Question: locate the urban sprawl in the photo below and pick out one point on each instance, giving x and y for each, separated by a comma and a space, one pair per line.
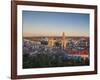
55, 51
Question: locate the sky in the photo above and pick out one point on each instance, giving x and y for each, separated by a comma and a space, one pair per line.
40, 23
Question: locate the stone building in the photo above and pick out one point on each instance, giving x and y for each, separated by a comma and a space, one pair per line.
50, 42
63, 41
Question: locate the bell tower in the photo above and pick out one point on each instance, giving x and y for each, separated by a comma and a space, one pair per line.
63, 42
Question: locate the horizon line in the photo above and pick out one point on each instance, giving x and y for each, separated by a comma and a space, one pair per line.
55, 36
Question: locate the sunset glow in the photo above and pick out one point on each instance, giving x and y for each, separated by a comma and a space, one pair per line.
37, 23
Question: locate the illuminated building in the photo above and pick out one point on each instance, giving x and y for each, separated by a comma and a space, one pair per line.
63, 41
50, 42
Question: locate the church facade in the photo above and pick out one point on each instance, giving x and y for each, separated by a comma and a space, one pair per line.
51, 41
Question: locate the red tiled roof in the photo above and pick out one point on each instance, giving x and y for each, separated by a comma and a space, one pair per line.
82, 52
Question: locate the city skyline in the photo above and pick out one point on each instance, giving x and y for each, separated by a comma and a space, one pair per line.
36, 23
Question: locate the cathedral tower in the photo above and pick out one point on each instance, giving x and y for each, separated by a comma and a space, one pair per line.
63, 42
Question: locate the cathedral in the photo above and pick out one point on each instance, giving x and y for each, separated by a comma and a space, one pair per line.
51, 41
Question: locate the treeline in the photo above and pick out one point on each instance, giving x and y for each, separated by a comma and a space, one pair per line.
45, 60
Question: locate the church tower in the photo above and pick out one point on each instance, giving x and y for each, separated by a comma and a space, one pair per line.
63, 41
50, 42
